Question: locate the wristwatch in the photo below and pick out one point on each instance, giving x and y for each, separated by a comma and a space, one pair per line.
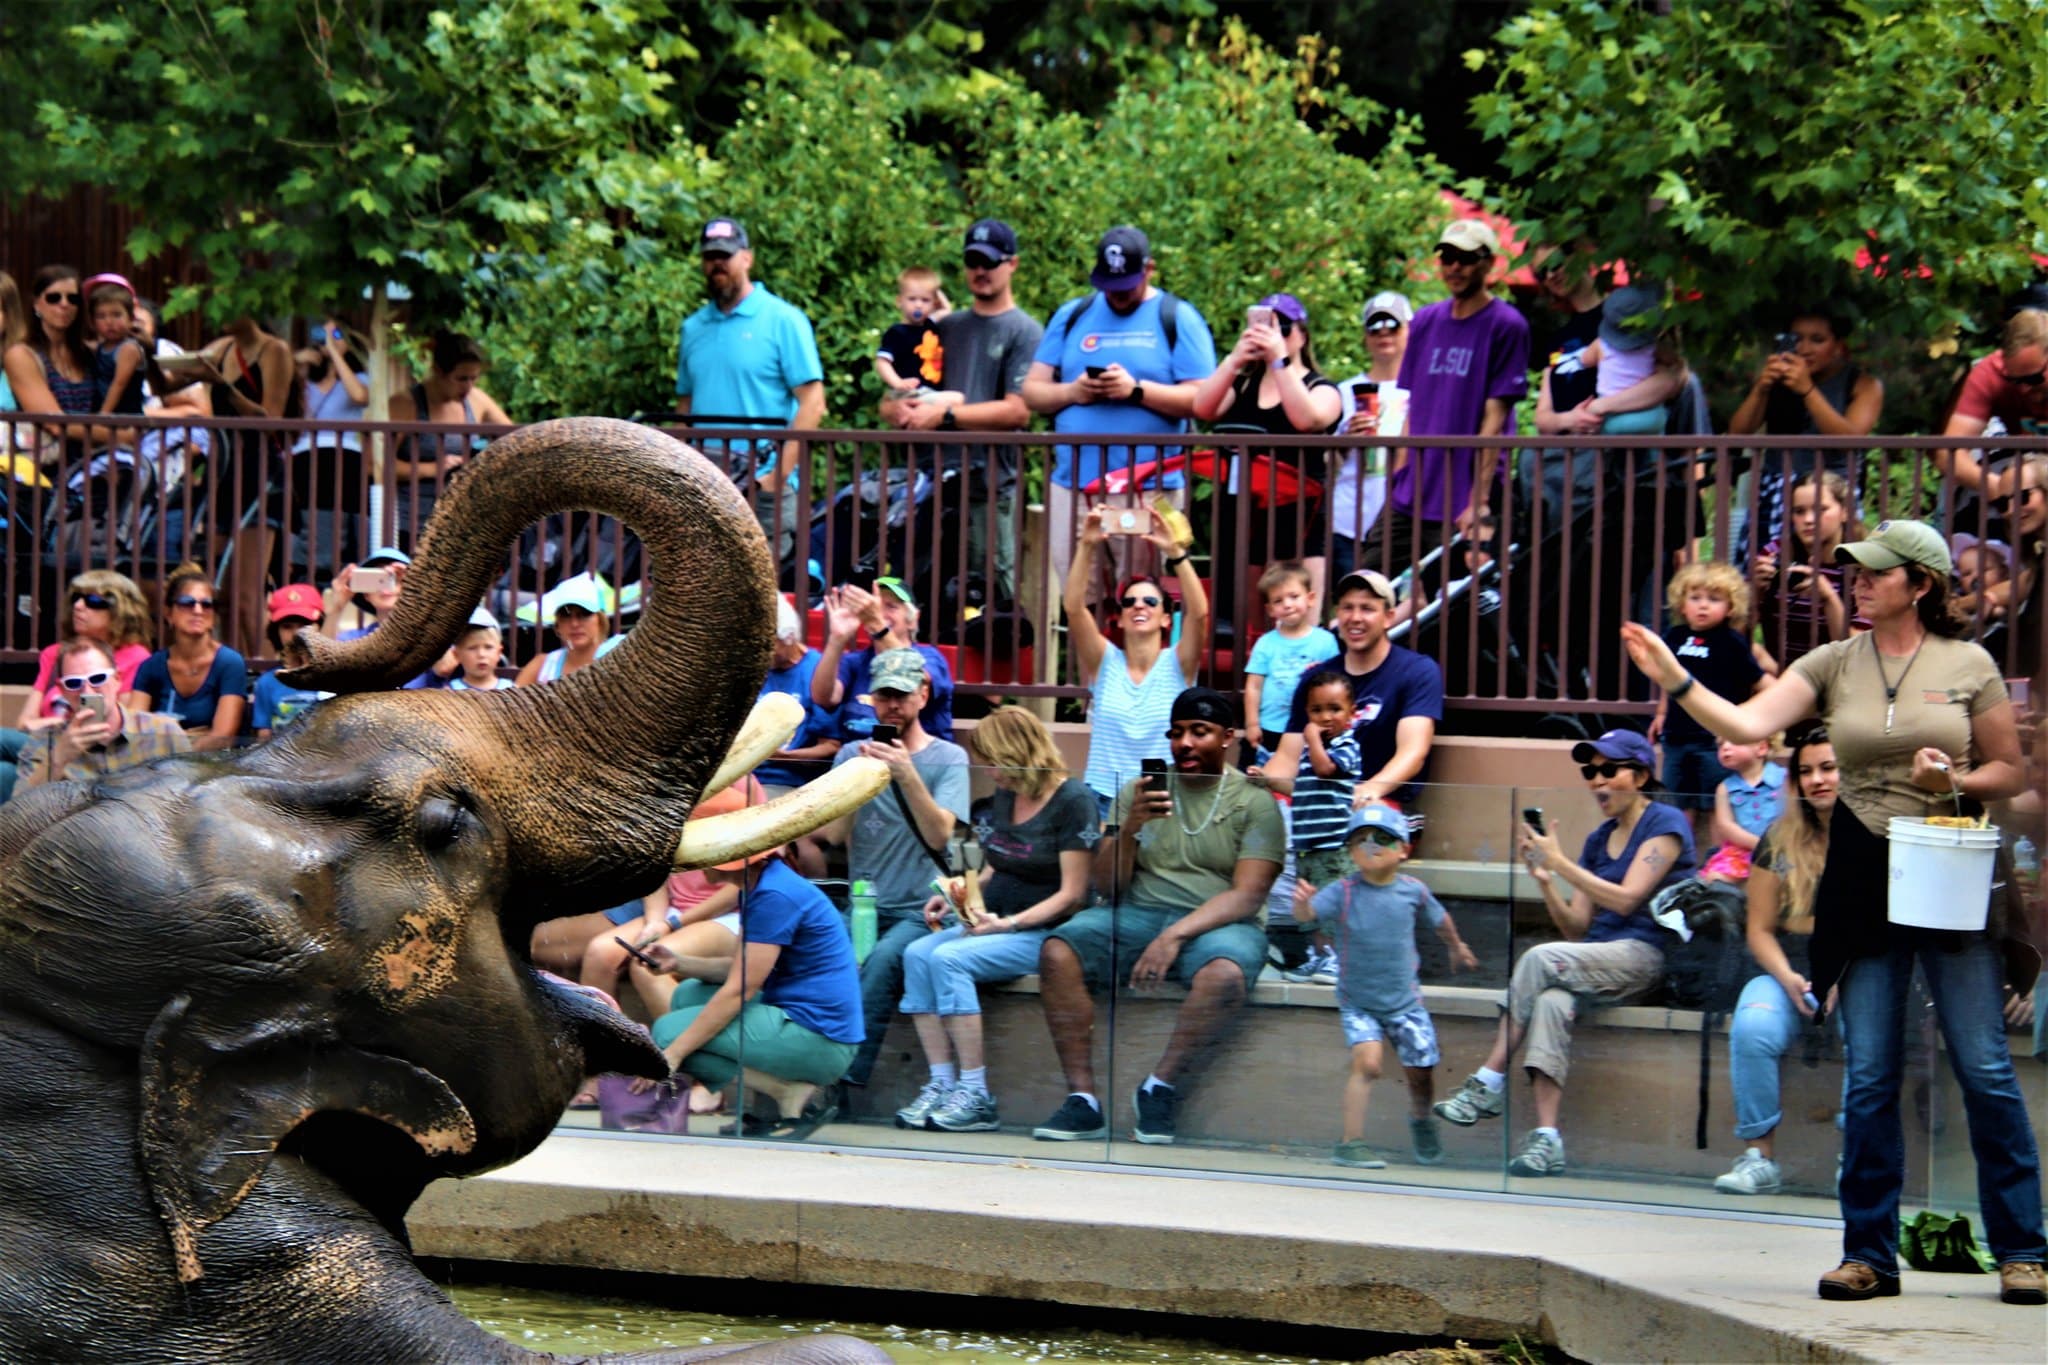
947, 421
1138, 394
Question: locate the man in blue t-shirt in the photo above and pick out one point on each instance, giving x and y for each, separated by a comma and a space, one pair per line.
747, 358
1123, 360
1399, 695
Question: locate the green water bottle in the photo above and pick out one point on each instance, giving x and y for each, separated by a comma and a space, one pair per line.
863, 905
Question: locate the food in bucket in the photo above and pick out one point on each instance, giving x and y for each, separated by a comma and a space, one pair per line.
1960, 821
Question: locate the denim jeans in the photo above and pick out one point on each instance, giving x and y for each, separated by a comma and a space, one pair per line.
12, 742
1764, 1024
881, 984
1965, 986
940, 970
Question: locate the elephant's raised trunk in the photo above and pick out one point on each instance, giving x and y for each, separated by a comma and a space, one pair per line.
595, 773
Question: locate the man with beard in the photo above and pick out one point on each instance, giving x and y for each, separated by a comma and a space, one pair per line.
985, 351
1399, 695
747, 358
1466, 366
1189, 858
1124, 360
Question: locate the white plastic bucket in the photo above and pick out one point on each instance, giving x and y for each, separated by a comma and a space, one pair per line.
1940, 876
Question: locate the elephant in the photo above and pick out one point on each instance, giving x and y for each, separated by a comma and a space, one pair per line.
253, 1002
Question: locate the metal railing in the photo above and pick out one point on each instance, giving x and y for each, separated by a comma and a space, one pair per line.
1585, 536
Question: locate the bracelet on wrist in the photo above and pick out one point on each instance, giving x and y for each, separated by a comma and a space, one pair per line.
1675, 693
1175, 561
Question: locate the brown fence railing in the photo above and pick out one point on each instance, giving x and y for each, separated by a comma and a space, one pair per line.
1584, 537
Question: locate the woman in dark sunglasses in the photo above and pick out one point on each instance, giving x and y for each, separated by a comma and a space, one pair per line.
1132, 685
50, 369
195, 677
107, 607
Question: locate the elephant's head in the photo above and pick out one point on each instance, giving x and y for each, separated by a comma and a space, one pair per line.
320, 945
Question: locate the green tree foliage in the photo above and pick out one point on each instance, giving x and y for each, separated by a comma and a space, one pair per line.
310, 153
1759, 152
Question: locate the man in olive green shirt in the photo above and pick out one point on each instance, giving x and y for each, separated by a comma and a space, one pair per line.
1187, 861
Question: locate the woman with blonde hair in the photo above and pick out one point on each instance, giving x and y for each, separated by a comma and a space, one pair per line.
1038, 839
106, 607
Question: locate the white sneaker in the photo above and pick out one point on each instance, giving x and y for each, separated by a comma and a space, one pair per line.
1754, 1173
915, 1114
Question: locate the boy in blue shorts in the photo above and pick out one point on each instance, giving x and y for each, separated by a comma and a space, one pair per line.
1371, 914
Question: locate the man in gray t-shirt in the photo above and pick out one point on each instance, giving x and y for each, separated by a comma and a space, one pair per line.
985, 351
931, 778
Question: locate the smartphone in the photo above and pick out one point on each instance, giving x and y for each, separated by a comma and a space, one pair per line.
95, 702
1784, 343
638, 956
1126, 521
884, 734
1258, 315
1155, 774
316, 334
368, 581
1532, 816
1097, 371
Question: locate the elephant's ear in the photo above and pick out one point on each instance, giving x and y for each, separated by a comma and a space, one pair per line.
216, 1102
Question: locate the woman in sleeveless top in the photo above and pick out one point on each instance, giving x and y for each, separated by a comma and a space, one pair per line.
449, 397
585, 632
1132, 687
251, 374
1810, 390
50, 368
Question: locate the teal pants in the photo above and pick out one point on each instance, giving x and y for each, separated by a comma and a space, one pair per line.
762, 1037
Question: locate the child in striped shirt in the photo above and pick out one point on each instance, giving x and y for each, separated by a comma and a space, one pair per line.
1330, 770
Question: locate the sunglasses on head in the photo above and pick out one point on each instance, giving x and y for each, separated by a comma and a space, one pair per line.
1450, 255
78, 682
193, 603
1138, 599
1593, 770
97, 601
53, 297
1379, 838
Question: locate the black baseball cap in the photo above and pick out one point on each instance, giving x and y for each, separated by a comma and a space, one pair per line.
1204, 703
992, 240
722, 237
1120, 259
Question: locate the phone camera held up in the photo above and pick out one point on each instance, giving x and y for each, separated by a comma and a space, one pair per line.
1532, 816
1785, 343
883, 734
1155, 774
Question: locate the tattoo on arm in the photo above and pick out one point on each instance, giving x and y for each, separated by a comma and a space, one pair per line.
1654, 860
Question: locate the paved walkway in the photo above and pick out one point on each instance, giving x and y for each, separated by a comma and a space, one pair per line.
1605, 1282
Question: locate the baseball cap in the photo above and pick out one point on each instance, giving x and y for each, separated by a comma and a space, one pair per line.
1204, 703
1470, 234
1618, 746
1372, 581
1120, 259
482, 617
1287, 306
386, 554
991, 239
903, 593
722, 237
1632, 316
1388, 304
740, 795
580, 591
297, 599
1378, 816
1898, 542
896, 670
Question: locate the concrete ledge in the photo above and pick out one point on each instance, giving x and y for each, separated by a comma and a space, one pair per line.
1604, 1283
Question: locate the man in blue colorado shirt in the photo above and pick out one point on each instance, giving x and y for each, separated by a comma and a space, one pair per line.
748, 354
1124, 359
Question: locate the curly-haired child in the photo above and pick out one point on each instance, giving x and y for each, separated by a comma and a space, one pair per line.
1711, 638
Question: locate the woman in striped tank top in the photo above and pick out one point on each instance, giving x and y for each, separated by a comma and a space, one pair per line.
1132, 686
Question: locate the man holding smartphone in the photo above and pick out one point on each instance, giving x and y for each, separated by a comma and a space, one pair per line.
97, 735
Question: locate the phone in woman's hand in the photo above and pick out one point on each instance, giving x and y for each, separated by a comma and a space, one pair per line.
1258, 315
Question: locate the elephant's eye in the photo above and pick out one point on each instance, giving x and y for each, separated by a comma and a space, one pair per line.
442, 822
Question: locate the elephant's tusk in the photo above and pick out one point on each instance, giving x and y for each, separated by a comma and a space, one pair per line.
770, 725
720, 839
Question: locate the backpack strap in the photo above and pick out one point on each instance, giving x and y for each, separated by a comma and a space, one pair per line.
1169, 322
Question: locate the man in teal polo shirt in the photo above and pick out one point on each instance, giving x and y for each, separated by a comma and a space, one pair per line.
749, 355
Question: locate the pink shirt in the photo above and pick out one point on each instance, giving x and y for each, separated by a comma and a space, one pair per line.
1987, 394
127, 659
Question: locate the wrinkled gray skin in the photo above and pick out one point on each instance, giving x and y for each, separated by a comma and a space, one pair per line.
252, 1003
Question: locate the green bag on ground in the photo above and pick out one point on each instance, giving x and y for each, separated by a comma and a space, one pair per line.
1934, 1241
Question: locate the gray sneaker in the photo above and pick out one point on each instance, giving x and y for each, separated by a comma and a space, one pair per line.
1429, 1146
1541, 1154
1354, 1152
914, 1114
1472, 1103
966, 1111
1754, 1173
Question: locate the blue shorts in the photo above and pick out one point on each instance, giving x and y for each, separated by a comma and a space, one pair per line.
1411, 1031
1692, 770
1110, 942
625, 914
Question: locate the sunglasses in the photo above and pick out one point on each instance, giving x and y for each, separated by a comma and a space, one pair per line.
191, 603
1378, 325
982, 263
1380, 838
2011, 501
54, 297
1137, 599
97, 601
78, 682
2028, 380
1593, 770
1450, 255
